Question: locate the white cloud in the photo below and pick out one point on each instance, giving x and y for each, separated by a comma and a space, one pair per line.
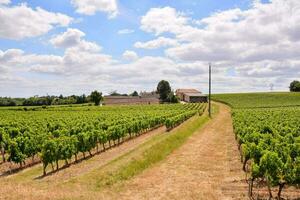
160, 20
72, 63
130, 55
72, 38
4, 2
90, 7
19, 22
156, 43
80, 57
10, 55
264, 32
125, 31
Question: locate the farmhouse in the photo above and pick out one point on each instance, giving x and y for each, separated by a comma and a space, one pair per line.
191, 96
123, 100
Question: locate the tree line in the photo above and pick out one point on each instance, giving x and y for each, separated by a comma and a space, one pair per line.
164, 90
95, 97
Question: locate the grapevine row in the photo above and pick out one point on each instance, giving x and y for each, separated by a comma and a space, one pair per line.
269, 140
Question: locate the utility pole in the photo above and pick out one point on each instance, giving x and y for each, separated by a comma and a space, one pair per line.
209, 96
271, 87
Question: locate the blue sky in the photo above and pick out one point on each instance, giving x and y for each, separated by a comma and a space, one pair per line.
60, 46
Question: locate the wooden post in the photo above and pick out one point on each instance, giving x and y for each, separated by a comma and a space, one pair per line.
209, 96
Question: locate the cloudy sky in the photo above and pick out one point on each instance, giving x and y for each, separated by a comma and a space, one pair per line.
75, 46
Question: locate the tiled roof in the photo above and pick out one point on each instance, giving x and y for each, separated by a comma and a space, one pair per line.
187, 91
194, 94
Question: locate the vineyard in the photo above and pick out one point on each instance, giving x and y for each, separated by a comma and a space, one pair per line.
268, 138
259, 100
54, 134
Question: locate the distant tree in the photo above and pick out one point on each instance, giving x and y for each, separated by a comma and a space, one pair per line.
48, 99
163, 89
115, 93
96, 97
12, 103
84, 98
81, 99
7, 101
134, 94
172, 98
295, 86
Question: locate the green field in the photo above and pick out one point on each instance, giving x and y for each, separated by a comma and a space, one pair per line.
267, 128
60, 133
259, 100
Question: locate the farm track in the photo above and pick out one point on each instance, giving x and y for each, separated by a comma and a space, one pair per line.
207, 166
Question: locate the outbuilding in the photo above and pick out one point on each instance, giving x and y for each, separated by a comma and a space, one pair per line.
191, 96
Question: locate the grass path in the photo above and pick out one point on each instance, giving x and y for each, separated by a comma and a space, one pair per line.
207, 166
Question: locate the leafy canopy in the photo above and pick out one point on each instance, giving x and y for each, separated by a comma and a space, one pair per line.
96, 97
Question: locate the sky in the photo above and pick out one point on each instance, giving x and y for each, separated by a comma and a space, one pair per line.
76, 46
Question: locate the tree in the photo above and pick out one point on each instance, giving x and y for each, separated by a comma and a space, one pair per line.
172, 98
80, 99
295, 86
134, 94
96, 97
116, 93
11, 103
163, 89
